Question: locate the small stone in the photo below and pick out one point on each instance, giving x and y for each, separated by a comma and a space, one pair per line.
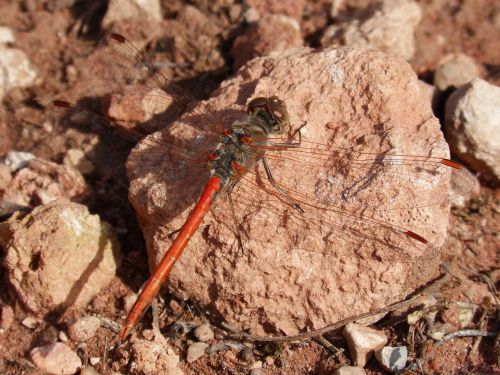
76, 158
256, 371
350, 370
363, 341
128, 301
269, 360
119, 10
6, 317
458, 315
89, 370
247, 355
204, 333
30, 322
438, 330
455, 70
229, 356
290, 8
261, 38
196, 351
5, 176
472, 118
148, 334
17, 160
63, 336
393, 359
6, 35
94, 360
16, 70
387, 25
83, 328
255, 365
56, 358
154, 357
49, 335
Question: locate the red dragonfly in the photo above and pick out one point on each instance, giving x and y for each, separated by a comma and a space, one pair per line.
340, 201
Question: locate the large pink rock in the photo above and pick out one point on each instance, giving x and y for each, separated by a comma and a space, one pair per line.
302, 271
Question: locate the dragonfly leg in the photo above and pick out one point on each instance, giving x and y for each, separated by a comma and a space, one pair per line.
270, 177
292, 144
235, 219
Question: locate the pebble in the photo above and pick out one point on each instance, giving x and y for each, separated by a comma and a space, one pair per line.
6, 317
16, 70
363, 341
76, 158
17, 160
455, 70
94, 360
119, 10
56, 358
196, 351
128, 301
247, 354
49, 335
30, 322
472, 118
350, 370
393, 359
89, 370
83, 328
5, 176
6, 35
204, 333
63, 336
389, 26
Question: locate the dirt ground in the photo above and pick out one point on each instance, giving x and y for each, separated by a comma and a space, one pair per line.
59, 37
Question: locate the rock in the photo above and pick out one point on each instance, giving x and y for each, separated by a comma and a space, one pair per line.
271, 33
6, 317
58, 256
291, 8
16, 70
128, 301
94, 360
363, 341
388, 25
41, 182
294, 276
472, 116
76, 158
255, 365
5, 176
455, 70
195, 351
89, 370
83, 328
246, 355
30, 322
63, 336
393, 359
350, 370
119, 10
154, 357
49, 335
17, 160
203, 333
56, 358
6, 35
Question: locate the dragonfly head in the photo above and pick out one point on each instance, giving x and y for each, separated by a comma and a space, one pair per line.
272, 111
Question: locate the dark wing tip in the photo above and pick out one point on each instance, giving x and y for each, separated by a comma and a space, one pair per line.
118, 37
61, 103
415, 236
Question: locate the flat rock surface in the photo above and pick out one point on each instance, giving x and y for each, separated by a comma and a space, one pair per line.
303, 270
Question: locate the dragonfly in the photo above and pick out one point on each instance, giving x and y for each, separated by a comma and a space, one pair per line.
222, 163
